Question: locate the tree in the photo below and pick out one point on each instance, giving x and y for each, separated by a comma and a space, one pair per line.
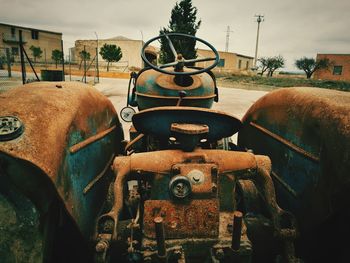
275, 63
56, 56
111, 53
36, 52
84, 55
310, 65
183, 20
264, 64
271, 64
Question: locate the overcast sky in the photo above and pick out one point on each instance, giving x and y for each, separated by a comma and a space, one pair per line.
291, 28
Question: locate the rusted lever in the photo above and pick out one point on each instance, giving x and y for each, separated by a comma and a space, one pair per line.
160, 237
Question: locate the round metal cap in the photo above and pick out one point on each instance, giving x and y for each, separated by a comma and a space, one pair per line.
10, 128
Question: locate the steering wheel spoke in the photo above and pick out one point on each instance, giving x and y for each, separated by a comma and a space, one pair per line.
171, 46
168, 64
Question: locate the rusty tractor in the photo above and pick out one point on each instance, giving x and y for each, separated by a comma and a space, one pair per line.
72, 189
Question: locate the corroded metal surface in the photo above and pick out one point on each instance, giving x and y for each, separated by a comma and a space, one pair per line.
155, 89
48, 112
198, 218
201, 177
157, 121
73, 117
305, 131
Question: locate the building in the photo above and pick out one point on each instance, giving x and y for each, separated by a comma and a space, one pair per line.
130, 48
229, 62
339, 69
46, 40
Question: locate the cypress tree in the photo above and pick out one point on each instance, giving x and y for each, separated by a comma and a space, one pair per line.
183, 20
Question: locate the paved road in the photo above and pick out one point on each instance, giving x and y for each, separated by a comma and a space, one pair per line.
233, 101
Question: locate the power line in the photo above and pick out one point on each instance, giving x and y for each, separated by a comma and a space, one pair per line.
259, 19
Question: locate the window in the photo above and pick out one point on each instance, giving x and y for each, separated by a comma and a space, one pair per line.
239, 64
14, 51
221, 63
337, 70
35, 34
13, 31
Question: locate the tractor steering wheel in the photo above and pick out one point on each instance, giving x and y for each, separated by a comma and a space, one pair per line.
179, 60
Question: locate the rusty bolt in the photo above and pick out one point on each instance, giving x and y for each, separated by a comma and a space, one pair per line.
176, 170
102, 246
219, 254
214, 188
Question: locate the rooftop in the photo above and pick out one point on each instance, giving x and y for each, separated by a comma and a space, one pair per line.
30, 28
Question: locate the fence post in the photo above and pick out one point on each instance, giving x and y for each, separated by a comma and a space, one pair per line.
8, 60
70, 70
98, 71
84, 64
63, 76
23, 67
45, 58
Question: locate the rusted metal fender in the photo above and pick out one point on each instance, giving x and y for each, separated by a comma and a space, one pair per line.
306, 133
71, 133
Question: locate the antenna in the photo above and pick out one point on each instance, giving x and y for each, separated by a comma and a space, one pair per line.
227, 38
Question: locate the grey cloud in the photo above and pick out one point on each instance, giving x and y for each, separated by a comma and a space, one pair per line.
292, 28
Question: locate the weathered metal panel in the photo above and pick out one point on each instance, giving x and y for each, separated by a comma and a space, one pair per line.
71, 134
155, 89
196, 219
305, 132
158, 121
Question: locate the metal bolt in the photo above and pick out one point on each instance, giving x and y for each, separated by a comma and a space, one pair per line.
176, 170
102, 246
214, 188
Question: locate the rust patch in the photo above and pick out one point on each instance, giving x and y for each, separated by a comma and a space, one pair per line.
167, 82
200, 176
90, 140
198, 218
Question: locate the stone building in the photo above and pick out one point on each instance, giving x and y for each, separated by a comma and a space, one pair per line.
131, 50
229, 62
339, 69
46, 40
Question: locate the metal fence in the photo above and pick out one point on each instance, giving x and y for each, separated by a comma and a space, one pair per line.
19, 66
9, 77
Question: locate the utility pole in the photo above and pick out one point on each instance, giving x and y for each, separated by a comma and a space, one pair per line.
97, 70
259, 19
227, 38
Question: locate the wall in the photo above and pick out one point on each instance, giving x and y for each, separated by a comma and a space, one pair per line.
336, 60
47, 41
131, 50
231, 61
